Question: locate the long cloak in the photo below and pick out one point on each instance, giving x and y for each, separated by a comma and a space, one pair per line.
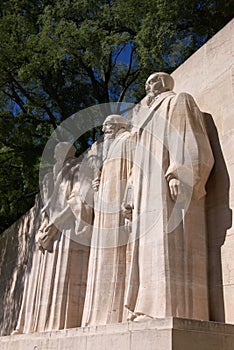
104, 301
55, 286
169, 261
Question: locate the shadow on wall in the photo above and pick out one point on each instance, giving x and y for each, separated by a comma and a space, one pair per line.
219, 219
17, 245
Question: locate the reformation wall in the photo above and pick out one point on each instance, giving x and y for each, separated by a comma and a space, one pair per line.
208, 76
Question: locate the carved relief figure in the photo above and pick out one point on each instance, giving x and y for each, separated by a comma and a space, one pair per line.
154, 176
104, 301
55, 288
172, 163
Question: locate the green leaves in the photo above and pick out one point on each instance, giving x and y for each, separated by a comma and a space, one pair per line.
57, 57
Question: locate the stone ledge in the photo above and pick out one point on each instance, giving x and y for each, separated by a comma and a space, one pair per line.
159, 334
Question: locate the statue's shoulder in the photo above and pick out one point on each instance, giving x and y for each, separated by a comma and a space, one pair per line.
127, 133
183, 96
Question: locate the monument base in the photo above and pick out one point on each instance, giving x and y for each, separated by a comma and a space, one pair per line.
159, 334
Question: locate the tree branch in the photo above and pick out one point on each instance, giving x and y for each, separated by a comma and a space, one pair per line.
95, 83
117, 55
15, 97
107, 75
123, 92
128, 74
38, 103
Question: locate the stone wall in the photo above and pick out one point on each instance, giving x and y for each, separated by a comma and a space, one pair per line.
159, 334
208, 75
16, 252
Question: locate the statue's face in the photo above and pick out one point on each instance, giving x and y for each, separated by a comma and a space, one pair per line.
109, 129
154, 85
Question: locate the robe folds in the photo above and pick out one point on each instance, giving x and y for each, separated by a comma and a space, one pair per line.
55, 286
168, 269
104, 301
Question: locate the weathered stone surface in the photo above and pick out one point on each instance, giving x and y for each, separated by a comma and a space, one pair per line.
172, 162
209, 76
17, 245
159, 334
104, 302
55, 286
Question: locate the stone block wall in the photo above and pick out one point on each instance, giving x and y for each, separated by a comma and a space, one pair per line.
208, 75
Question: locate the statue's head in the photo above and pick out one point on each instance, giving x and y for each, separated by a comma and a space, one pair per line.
112, 124
159, 82
63, 151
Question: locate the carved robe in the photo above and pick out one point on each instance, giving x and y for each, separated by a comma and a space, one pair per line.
104, 301
169, 261
55, 287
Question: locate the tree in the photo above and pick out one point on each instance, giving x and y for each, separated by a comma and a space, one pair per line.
58, 57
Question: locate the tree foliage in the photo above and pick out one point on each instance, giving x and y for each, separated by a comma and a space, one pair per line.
58, 57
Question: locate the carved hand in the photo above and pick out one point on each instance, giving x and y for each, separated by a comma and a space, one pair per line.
127, 212
95, 184
175, 190
46, 238
128, 225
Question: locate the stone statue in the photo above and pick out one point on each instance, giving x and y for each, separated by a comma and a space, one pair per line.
104, 301
172, 163
148, 249
55, 287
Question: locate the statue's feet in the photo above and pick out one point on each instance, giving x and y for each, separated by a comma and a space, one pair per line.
142, 318
16, 331
131, 317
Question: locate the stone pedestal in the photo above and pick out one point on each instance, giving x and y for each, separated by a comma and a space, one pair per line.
159, 334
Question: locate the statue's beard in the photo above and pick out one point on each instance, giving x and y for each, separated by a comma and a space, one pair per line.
108, 139
109, 136
150, 96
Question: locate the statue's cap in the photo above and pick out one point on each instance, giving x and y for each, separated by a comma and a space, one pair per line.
167, 80
115, 119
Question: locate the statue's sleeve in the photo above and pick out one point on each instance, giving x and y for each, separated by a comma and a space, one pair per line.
130, 146
190, 154
79, 203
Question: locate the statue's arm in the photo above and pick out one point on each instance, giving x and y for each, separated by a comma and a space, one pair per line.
190, 154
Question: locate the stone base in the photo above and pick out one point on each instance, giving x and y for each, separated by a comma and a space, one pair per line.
159, 334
